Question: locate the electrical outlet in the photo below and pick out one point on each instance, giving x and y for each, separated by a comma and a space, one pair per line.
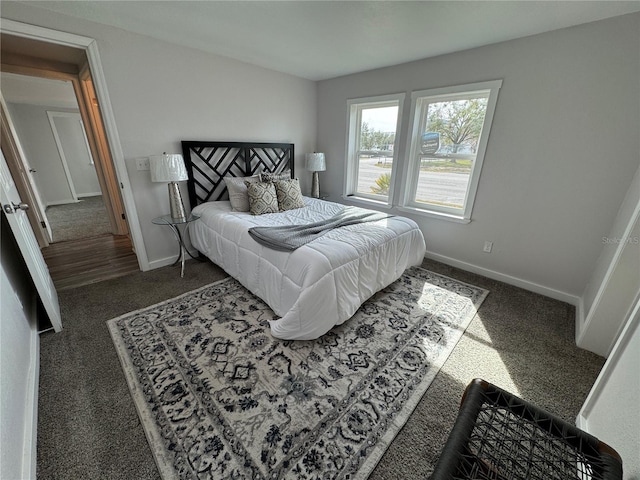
487, 246
142, 163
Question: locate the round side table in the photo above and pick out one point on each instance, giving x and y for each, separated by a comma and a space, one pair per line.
176, 225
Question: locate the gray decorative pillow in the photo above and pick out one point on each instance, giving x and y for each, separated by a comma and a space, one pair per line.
274, 177
262, 198
289, 194
237, 189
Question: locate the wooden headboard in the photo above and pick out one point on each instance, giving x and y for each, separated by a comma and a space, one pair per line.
208, 162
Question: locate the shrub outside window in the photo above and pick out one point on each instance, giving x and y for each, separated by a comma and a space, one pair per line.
448, 139
372, 147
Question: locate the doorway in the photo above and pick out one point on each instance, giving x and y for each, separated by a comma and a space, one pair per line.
27, 61
46, 117
85, 215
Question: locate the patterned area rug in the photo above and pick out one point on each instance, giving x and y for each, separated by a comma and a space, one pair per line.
220, 398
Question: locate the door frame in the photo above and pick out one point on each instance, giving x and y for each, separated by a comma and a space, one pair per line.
100, 85
92, 119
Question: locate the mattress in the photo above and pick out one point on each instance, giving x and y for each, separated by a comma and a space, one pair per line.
319, 285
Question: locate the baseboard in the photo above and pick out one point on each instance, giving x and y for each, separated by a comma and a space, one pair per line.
580, 321
61, 202
90, 194
163, 262
31, 421
581, 422
509, 279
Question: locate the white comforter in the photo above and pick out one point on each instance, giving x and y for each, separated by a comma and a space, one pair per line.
319, 285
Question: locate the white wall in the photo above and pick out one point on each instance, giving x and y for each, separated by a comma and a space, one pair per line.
19, 363
36, 137
162, 94
615, 279
187, 95
611, 410
620, 224
562, 152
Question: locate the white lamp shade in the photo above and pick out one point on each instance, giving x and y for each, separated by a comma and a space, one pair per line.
167, 168
316, 162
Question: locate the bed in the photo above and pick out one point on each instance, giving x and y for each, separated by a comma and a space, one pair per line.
314, 287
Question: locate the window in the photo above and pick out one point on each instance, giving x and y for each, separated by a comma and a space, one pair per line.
447, 143
371, 144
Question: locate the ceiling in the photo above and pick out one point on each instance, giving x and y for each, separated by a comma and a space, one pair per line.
37, 91
325, 39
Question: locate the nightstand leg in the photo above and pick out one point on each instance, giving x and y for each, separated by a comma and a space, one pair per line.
180, 259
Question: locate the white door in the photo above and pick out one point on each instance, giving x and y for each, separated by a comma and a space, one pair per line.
28, 244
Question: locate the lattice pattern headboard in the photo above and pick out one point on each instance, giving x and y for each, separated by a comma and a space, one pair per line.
208, 162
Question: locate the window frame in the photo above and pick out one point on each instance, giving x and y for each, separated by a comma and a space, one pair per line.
420, 100
354, 121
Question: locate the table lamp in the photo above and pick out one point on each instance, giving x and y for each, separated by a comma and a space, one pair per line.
315, 163
170, 168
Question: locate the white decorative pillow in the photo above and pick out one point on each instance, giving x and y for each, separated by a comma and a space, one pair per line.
274, 177
289, 194
238, 192
262, 198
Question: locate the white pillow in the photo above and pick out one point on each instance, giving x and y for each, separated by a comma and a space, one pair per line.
237, 189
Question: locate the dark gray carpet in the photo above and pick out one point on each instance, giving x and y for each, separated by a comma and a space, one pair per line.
84, 219
88, 426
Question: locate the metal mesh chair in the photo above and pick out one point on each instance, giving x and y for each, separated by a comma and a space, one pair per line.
498, 436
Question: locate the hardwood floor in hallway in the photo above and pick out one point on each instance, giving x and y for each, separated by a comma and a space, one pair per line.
89, 260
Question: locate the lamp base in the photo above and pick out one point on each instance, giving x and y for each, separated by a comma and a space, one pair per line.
175, 203
315, 186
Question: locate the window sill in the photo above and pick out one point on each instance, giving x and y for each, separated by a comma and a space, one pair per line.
366, 202
438, 215
377, 205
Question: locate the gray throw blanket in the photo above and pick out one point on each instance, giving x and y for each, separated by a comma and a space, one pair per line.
290, 237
